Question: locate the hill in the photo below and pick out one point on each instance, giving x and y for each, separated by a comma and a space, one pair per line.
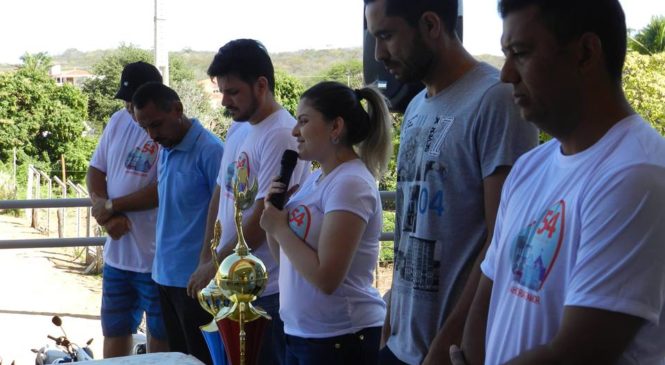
303, 64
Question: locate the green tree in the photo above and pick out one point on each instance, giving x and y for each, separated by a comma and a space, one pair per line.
39, 62
650, 39
42, 119
288, 90
101, 90
179, 71
349, 73
644, 85
389, 180
194, 99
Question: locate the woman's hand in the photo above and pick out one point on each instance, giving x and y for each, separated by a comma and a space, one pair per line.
272, 218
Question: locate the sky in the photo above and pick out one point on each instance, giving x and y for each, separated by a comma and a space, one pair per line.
54, 26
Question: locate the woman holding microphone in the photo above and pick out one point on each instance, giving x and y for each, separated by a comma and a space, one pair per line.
327, 237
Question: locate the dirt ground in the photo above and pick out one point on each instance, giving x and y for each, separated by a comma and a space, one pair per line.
385, 278
36, 284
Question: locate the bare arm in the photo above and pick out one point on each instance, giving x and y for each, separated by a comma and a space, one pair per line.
473, 342
451, 332
586, 336
95, 181
116, 225
274, 248
277, 187
213, 208
142, 199
326, 268
385, 331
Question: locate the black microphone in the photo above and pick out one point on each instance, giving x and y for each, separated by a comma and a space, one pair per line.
289, 160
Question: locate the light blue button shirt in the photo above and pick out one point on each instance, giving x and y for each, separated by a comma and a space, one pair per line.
187, 176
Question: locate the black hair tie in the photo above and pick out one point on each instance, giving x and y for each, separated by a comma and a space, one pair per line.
358, 93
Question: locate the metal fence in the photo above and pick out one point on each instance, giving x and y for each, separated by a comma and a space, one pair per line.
94, 260
34, 204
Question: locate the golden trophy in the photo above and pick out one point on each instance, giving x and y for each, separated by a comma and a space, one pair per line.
212, 300
242, 277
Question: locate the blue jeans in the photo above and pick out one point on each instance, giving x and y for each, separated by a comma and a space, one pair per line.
126, 295
359, 348
273, 345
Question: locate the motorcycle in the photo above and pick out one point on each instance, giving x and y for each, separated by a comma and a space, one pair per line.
64, 351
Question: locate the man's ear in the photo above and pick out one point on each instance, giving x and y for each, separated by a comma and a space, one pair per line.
430, 25
261, 85
590, 53
178, 108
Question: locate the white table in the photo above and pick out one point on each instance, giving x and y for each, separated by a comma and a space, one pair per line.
159, 358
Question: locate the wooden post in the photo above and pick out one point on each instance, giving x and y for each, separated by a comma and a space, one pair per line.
88, 227
62, 211
28, 193
14, 175
35, 212
48, 211
62, 162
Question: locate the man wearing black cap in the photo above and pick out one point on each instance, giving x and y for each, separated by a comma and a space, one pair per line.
121, 180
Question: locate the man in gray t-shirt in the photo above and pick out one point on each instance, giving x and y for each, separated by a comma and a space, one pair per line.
460, 136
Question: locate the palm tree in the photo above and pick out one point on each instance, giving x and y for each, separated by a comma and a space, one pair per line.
37, 62
651, 39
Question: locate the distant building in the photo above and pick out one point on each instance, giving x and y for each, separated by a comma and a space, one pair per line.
212, 91
74, 77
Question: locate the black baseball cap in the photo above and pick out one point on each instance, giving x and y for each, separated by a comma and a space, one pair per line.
134, 75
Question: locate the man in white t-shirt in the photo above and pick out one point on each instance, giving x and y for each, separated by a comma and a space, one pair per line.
121, 180
258, 137
575, 273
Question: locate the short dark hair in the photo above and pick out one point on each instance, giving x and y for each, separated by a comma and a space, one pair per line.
568, 19
412, 10
246, 58
154, 92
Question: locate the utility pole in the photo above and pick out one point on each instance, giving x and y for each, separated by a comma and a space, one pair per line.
161, 50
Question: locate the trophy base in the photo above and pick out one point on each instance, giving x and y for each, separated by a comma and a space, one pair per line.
230, 332
213, 339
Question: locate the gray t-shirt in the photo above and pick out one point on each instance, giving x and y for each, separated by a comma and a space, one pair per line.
449, 144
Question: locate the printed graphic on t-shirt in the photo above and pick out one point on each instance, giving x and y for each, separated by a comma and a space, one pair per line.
421, 178
417, 265
229, 176
242, 171
437, 133
537, 246
141, 159
300, 221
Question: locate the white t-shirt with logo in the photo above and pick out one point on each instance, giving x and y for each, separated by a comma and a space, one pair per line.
128, 157
355, 304
583, 230
253, 152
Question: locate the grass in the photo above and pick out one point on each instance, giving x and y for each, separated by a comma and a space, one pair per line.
386, 251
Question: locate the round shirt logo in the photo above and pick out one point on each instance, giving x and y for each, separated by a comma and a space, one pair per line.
299, 221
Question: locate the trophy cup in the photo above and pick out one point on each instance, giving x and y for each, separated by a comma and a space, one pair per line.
212, 300
241, 278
